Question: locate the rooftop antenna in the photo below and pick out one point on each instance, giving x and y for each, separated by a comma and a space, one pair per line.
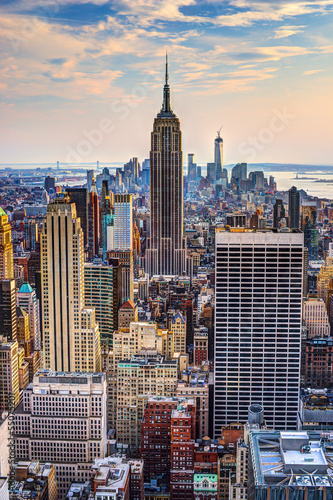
219, 131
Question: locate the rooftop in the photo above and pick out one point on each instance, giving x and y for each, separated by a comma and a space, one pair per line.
284, 459
128, 305
26, 288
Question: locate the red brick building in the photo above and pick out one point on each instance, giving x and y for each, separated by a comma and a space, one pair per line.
183, 422
156, 436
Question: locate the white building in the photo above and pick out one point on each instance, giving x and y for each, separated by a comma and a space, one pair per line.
258, 300
315, 317
123, 222
62, 420
64, 316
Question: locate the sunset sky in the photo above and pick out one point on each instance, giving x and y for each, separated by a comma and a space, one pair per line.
82, 80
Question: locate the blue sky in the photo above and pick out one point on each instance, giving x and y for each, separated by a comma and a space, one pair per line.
82, 81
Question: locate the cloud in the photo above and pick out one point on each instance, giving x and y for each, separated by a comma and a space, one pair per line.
58, 61
313, 71
285, 31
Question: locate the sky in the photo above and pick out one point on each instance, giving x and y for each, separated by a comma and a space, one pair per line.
82, 81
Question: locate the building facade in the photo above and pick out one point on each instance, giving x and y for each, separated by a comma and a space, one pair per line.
6, 248
258, 311
138, 378
315, 317
62, 420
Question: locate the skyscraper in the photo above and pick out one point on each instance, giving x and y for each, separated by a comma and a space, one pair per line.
90, 175
309, 227
79, 196
27, 298
71, 339
239, 171
293, 208
8, 323
279, 213
258, 299
123, 222
191, 167
102, 294
166, 252
93, 221
9, 376
64, 417
107, 226
6, 248
218, 155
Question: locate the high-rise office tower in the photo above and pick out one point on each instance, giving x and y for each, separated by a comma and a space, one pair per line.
239, 171
218, 155
71, 340
309, 228
123, 222
211, 172
6, 248
107, 226
293, 208
104, 191
103, 295
127, 269
8, 323
166, 253
191, 167
279, 213
30, 232
145, 173
9, 374
63, 421
79, 196
49, 184
90, 175
257, 179
105, 206
133, 168
27, 299
258, 306
93, 221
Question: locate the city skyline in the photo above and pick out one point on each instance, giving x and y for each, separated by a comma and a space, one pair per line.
262, 70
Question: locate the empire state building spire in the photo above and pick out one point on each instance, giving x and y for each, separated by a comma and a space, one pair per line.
166, 249
166, 106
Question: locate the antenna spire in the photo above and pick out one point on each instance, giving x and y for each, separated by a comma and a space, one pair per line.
166, 68
166, 108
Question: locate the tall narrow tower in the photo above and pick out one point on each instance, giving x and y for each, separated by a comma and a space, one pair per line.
166, 252
6, 248
218, 155
71, 340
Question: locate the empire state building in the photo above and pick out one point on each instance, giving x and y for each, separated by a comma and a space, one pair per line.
166, 252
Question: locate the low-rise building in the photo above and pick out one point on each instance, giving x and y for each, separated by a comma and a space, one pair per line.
316, 410
110, 479
34, 481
